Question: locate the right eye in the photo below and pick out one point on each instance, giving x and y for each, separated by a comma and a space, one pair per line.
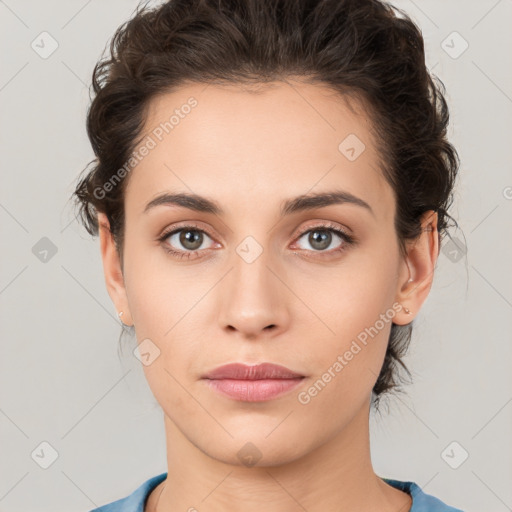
189, 237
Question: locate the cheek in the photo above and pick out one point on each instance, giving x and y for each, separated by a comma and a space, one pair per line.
157, 293
351, 296
356, 305
165, 304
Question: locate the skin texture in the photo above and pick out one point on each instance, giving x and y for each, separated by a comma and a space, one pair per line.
250, 152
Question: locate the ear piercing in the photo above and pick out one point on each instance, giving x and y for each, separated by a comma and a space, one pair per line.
406, 310
120, 314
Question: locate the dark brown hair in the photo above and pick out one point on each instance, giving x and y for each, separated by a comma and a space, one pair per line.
364, 49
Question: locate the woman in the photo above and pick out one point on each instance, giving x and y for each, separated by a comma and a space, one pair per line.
270, 191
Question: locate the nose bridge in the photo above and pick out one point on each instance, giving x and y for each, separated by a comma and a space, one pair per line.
251, 261
252, 295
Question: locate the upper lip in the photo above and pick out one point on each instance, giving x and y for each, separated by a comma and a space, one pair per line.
243, 371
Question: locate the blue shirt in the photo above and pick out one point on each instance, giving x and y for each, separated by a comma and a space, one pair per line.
421, 502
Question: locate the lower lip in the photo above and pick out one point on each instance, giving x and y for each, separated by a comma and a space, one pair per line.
254, 390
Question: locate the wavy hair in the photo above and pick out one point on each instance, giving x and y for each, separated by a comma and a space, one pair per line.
364, 49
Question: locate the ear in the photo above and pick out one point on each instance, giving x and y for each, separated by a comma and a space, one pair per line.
114, 278
416, 271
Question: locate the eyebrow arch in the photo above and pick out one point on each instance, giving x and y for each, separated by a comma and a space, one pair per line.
186, 200
296, 204
322, 199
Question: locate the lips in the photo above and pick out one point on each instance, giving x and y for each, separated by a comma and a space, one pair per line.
240, 371
256, 383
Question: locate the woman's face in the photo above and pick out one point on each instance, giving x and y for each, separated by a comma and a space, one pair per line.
263, 279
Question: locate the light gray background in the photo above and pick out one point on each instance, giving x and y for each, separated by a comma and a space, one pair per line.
61, 379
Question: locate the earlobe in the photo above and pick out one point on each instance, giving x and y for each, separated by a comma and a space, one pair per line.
114, 278
417, 269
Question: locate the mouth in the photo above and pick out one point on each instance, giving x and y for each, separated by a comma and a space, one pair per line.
256, 383
253, 390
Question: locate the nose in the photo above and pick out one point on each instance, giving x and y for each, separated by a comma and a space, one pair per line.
253, 301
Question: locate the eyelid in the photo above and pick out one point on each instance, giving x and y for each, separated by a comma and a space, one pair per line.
180, 226
343, 232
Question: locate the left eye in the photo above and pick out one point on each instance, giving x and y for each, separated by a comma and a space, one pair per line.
321, 238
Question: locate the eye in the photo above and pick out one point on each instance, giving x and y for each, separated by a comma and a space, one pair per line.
321, 238
187, 241
184, 242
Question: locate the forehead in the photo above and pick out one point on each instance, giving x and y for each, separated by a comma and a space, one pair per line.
276, 140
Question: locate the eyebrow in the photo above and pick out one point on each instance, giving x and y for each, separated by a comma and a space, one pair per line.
300, 203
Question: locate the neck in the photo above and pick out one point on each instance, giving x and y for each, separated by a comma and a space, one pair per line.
333, 476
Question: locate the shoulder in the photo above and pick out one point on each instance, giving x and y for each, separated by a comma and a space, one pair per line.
136, 500
421, 501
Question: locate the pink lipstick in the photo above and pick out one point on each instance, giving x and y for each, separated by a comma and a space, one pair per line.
256, 383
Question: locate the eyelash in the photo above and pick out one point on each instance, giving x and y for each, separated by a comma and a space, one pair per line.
348, 240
